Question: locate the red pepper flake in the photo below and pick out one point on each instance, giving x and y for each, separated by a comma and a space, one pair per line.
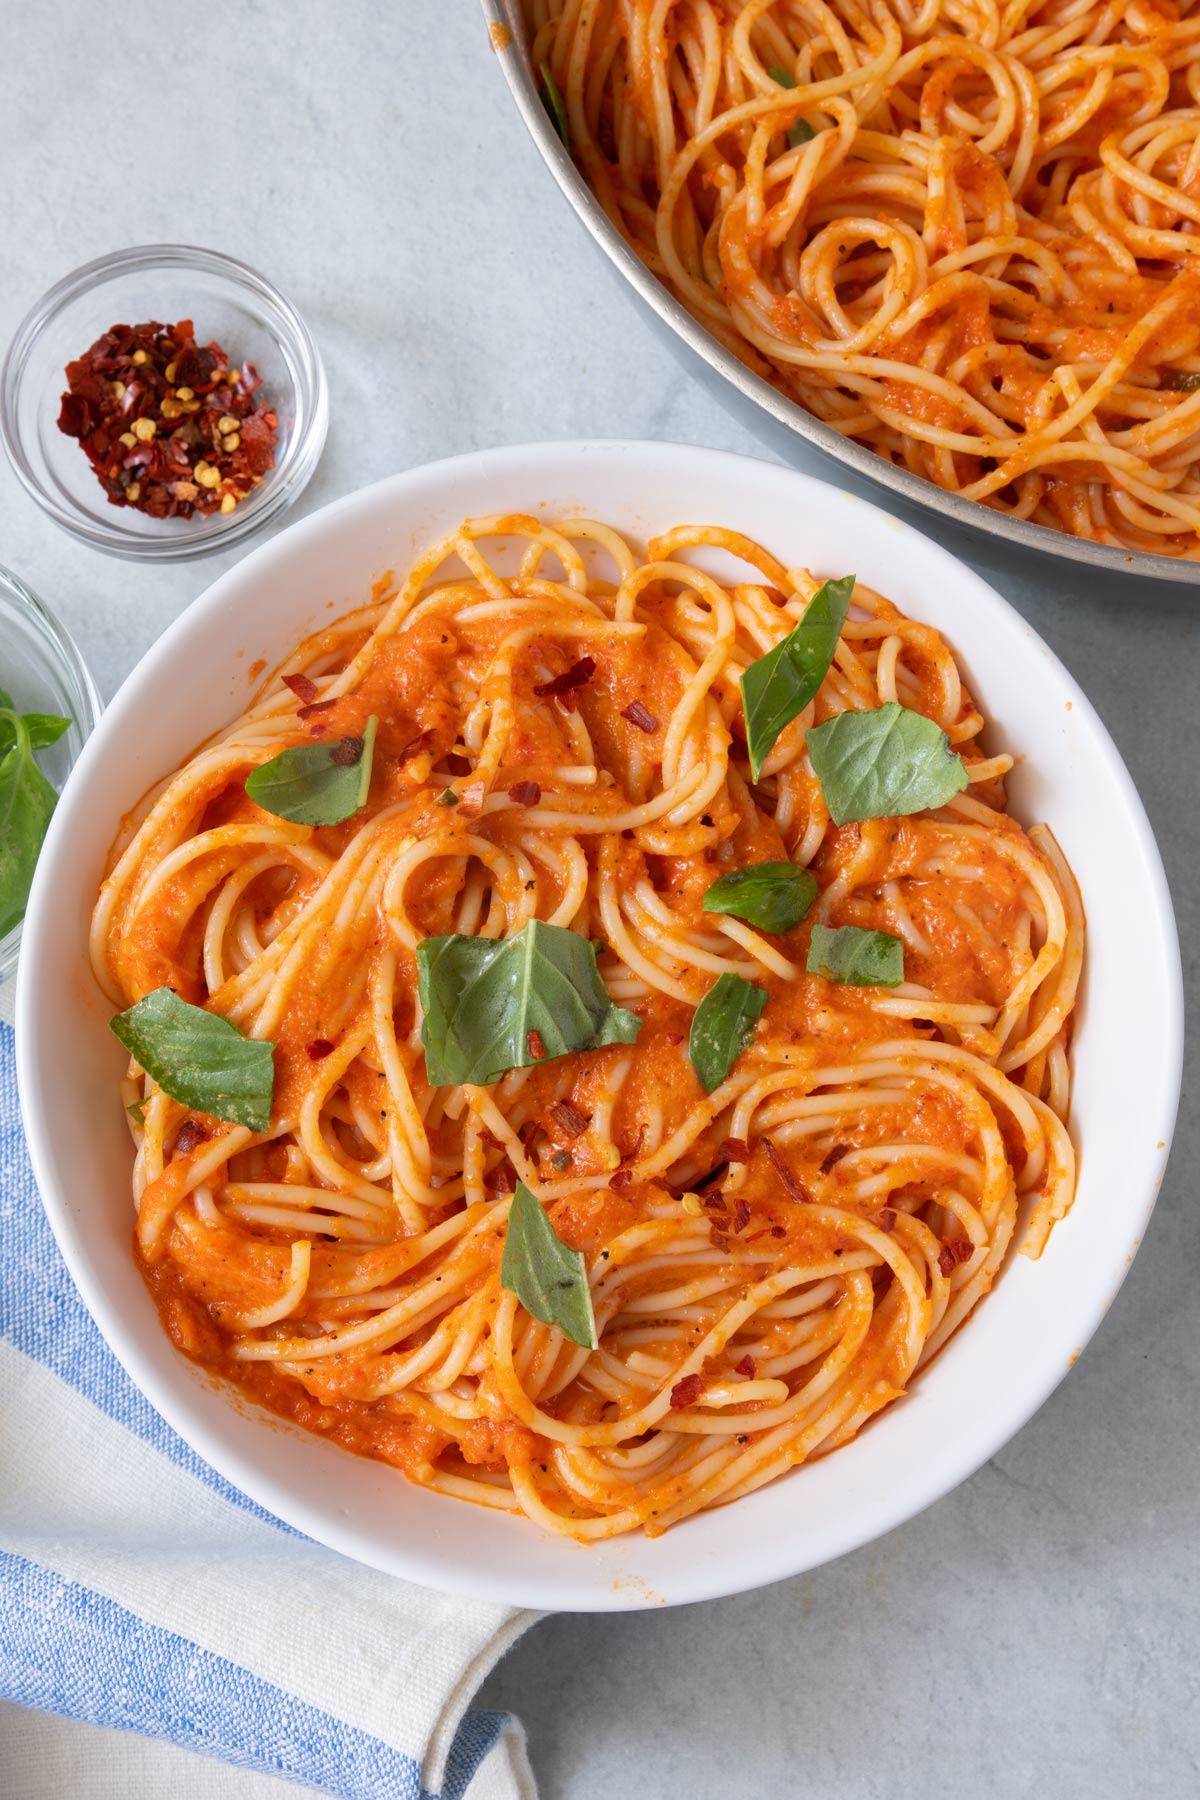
455, 764
525, 793
778, 1231
733, 1150
194, 367
957, 1250
673, 1038
621, 1180
346, 752
302, 687
164, 427
640, 715
190, 1134
570, 1121
741, 1215
536, 1047
75, 416
887, 1219
562, 687
715, 1202
834, 1157
315, 706
631, 1148
257, 448
717, 1241
500, 1180
746, 1367
318, 1049
687, 1392
796, 1189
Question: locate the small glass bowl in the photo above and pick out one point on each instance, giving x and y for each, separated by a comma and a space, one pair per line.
230, 303
44, 672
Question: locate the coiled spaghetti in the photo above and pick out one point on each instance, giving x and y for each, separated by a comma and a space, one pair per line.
961, 232
770, 1263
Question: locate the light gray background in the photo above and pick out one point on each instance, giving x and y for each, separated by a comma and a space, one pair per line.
1035, 1633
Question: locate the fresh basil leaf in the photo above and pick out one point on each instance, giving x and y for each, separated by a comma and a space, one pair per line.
555, 105
44, 728
722, 1027
801, 132
855, 957
495, 1004
137, 1111
447, 797
549, 1280
316, 784
199, 1058
27, 803
778, 687
884, 763
772, 895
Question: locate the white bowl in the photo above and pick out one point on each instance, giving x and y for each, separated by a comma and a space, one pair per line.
1024, 1337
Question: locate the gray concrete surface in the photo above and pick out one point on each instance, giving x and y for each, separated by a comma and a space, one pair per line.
1034, 1634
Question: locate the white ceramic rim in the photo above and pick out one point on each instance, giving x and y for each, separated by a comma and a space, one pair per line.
748, 1564
506, 16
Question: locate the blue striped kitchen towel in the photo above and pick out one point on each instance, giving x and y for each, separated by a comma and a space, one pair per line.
139, 1590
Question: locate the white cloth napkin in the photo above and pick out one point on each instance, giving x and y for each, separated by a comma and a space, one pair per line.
138, 1589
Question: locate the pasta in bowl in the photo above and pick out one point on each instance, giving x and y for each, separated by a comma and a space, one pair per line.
789, 1083
596, 1032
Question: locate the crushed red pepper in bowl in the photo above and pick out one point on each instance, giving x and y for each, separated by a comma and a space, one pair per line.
170, 426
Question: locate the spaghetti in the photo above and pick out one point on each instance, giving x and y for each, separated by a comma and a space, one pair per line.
769, 1262
962, 232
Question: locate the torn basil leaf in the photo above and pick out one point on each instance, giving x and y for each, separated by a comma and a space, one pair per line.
722, 1027
883, 764
27, 802
801, 132
556, 106
199, 1058
774, 896
495, 1004
855, 957
778, 687
548, 1279
316, 784
44, 728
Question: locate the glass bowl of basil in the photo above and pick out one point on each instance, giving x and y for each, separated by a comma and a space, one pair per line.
48, 706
